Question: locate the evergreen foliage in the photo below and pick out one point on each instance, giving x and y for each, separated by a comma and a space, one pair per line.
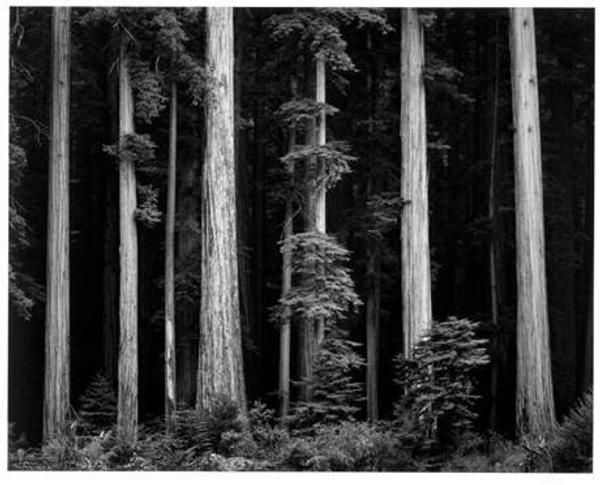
572, 448
337, 395
328, 293
437, 382
98, 406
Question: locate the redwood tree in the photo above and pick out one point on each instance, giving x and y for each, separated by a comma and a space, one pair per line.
416, 277
534, 401
56, 375
127, 408
220, 365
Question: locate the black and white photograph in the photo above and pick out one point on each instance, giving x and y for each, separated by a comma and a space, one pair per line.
298, 237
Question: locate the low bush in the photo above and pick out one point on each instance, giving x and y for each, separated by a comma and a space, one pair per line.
347, 446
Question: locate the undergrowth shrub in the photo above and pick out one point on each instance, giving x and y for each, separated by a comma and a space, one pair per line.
337, 395
97, 406
571, 449
437, 394
347, 446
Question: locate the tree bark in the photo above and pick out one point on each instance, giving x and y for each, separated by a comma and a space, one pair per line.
321, 203
534, 400
127, 411
220, 369
56, 375
373, 276
416, 277
110, 307
170, 355
492, 247
286, 285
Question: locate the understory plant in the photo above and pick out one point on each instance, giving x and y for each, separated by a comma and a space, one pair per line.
437, 393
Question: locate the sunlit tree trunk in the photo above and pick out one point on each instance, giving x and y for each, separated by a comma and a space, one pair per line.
416, 277
127, 409
56, 375
170, 355
321, 203
286, 286
534, 403
220, 369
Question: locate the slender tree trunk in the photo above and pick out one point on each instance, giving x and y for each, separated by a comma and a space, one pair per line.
188, 235
416, 277
170, 355
321, 202
220, 369
127, 411
373, 276
492, 248
110, 317
56, 375
535, 403
286, 286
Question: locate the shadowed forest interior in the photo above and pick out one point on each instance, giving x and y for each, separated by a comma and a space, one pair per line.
336, 212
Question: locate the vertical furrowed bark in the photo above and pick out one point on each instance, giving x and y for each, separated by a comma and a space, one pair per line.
127, 410
220, 369
57, 352
170, 355
534, 400
321, 202
416, 277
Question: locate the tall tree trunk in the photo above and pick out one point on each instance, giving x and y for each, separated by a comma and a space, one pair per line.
56, 374
321, 203
416, 277
306, 336
492, 218
127, 411
110, 307
188, 235
220, 368
286, 286
373, 276
534, 403
170, 355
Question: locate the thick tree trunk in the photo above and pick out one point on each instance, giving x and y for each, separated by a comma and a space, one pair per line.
220, 368
534, 403
416, 277
56, 375
170, 356
127, 411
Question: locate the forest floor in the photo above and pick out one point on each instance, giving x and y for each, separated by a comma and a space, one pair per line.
224, 442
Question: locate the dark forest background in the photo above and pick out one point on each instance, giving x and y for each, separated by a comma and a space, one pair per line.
466, 51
